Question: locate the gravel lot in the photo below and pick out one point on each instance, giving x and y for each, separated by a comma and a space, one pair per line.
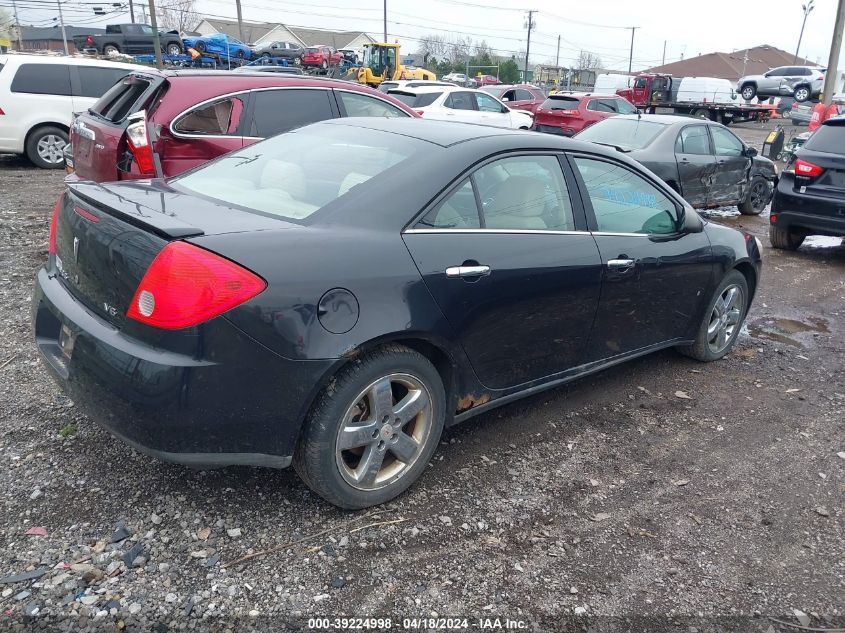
688, 495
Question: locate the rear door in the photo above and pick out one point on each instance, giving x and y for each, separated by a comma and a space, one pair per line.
203, 132
506, 256
730, 177
276, 110
460, 106
696, 163
654, 277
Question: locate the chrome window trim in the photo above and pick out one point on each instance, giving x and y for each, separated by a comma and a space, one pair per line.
498, 231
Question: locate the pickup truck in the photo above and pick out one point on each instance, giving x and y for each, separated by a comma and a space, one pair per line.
131, 39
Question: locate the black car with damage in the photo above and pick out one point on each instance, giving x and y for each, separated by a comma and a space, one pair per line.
703, 161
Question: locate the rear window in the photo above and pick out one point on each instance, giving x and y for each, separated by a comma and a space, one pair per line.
312, 50
828, 138
42, 79
294, 175
624, 133
561, 103
96, 80
118, 101
415, 101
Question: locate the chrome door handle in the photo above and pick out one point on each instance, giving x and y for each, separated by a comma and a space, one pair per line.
467, 271
620, 264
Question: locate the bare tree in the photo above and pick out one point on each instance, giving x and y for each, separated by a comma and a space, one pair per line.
433, 47
587, 60
177, 15
459, 49
482, 48
7, 24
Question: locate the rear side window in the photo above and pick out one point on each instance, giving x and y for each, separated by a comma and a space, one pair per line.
96, 80
828, 138
363, 105
561, 103
416, 101
276, 111
460, 101
458, 211
42, 79
119, 100
693, 140
219, 118
602, 105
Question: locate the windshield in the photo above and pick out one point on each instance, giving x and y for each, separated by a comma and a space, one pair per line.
380, 59
624, 133
312, 50
293, 175
828, 138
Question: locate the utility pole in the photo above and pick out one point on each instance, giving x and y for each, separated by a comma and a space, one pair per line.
62, 22
631, 58
663, 63
17, 25
144, 13
557, 57
240, 21
132, 11
531, 13
807, 9
385, 21
156, 40
833, 62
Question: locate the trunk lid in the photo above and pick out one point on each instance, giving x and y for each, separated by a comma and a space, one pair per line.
107, 236
98, 135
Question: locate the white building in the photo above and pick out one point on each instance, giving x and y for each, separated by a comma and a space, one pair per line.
263, 33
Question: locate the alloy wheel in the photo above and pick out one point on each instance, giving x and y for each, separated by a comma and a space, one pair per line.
384, 431
802, 94
759, 191
725, 318
51, 148
748, 93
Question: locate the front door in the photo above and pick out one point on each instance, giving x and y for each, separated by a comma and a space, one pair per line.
491, 111
506, 256
730, 178
655, 276
696, 163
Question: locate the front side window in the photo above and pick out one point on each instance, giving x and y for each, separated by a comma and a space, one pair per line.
363, 105
624, 202
277, 111
510, 95
725, 143
457, 211
292, 176
146, 29
623, 107
486, 103
218, 118
693, 140
42, 79
524, 193
523, 95
460, 101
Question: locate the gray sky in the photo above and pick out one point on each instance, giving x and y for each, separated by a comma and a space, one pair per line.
688, 28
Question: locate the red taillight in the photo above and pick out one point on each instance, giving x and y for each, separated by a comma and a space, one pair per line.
773, 218
1, 112
803, 168
565, 112
90, 40
54, 223
138, 141
186, 285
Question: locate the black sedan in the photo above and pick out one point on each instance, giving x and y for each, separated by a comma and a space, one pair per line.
336, 311
703, 161
810, 197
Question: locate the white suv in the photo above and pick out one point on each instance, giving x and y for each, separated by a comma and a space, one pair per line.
465, 105
801, 82
38, 96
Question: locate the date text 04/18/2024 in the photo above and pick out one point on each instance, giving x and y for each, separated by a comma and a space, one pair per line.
410, 624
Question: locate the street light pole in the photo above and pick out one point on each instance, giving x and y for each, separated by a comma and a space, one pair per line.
807, 9
631, 57
62, 22
385, 21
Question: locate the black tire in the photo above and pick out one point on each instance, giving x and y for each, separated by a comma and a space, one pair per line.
174, 49
298, 61
54, 140
702, 113
802, 94
757, 198
110, 49
748, 92
200, 47
316, 455
725, 120
783, 239
701, 350
796, 122
240, 54
265, 55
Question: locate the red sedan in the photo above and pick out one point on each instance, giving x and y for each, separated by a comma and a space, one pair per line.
569, 113
518, 97
321, 57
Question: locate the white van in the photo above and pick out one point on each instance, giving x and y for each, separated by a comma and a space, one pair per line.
706, 90
38, 96
609, 83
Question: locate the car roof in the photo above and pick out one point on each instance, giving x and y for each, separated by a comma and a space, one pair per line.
664, 119
584, 95
433, 88
31, 58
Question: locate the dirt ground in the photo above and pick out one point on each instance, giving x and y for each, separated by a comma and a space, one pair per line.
662, 494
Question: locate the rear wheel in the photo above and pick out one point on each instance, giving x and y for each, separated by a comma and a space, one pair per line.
200, 47
702, 113
748, 92
45, 147
174, 49
372, 432
785, 239
802, 94
757, 198
722, 320
240, 54
111, 49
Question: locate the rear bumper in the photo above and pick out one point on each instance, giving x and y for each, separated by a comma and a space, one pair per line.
811, 214
552, 129
234, 403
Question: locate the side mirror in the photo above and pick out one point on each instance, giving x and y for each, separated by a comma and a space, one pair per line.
750, 152
689, 222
